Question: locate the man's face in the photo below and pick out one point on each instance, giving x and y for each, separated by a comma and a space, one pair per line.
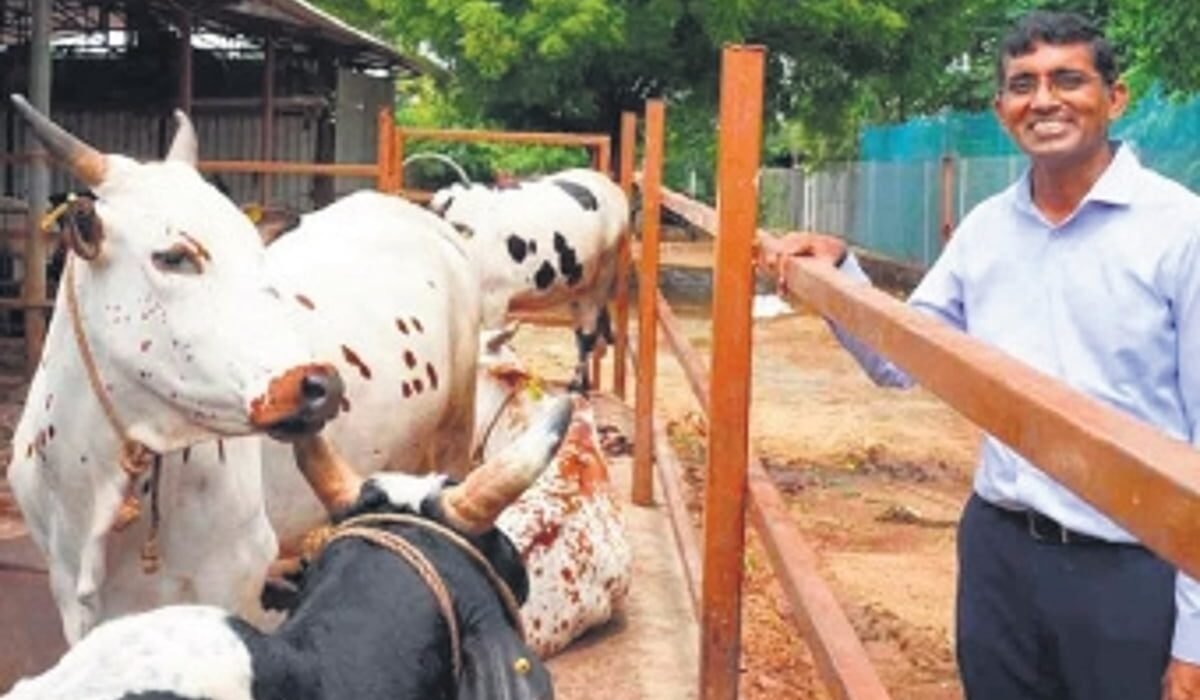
1056, 105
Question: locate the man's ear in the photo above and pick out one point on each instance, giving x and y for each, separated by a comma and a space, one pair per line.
1118, 99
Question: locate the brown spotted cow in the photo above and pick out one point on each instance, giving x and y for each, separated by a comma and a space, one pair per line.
568, 525
543, 243
176, 334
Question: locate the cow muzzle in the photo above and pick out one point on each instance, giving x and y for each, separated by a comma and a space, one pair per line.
298, 402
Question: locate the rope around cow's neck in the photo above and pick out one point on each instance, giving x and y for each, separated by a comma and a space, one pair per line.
134, 457
366, 527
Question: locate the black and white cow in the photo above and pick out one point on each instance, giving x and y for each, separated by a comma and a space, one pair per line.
543, 243
373, 619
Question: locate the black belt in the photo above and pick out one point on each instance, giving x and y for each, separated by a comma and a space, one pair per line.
1043, 528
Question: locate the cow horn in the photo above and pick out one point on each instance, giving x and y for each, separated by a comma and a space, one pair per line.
184, 147
473, 505
85, 162
334, 483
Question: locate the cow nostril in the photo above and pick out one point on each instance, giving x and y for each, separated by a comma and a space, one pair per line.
314, 387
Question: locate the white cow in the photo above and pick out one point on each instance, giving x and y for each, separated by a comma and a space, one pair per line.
567, 526
164, 334
187, 322
543, 243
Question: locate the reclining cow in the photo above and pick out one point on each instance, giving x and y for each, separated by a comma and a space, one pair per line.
173, 326
411, 598
543, 243
567, 526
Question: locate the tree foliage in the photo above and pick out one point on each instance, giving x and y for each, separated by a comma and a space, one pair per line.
833, 65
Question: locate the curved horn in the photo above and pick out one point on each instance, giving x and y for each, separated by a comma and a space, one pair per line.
85, 162
184, 147
473, 506
334, 483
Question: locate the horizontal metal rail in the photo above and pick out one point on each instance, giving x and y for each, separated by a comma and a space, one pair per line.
278, 167
484, 136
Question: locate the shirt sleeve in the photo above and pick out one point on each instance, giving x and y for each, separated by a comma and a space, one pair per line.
1186, 643
939, 294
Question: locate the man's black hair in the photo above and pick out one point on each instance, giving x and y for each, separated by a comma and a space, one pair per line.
1058, 29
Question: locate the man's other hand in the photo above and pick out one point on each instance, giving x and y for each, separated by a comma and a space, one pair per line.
1182, 681
773, 253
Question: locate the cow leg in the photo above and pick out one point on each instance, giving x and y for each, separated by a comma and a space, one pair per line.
585, 343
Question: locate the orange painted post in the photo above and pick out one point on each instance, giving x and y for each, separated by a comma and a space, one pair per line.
604, 157
643, 439
398, 162
621, 320
729, 402
384, 152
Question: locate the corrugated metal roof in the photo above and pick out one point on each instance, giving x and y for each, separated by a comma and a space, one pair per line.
297, 21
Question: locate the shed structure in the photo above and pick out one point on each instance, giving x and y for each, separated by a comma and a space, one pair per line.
263, 80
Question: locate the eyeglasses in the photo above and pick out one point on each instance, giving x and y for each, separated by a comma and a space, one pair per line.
1064, 80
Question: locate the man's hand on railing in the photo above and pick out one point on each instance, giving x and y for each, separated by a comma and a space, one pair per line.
773, 252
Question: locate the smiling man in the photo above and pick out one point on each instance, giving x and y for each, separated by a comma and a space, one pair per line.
1088, 269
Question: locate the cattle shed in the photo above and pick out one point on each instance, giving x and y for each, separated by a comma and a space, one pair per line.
263, 80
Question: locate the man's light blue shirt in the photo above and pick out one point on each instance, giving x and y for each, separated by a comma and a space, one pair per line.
1108, 301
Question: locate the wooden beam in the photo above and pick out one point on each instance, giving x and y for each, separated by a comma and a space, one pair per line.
268, 115
621, 320
1134, 473
643, 439
282, 167
185, 60
33, 288
529, 137
729, 403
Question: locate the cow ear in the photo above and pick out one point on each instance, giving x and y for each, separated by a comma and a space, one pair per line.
184, 147
82, 229
271, 223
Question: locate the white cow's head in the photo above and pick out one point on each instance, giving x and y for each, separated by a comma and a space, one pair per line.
172, 301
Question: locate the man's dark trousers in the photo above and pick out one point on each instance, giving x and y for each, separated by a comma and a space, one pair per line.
1039, 619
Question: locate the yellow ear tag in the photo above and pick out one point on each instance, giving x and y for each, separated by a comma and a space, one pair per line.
522, 665
535, 388
253, 212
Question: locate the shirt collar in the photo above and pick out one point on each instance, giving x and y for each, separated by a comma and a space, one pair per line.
1116, 186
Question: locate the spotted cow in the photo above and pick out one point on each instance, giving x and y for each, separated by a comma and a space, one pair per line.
412, 597
542, 243
568, 525
176, 334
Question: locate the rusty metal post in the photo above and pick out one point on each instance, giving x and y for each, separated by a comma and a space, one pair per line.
185, 61
33, 286
947, 190
729, 402
268, 115
621, 317
386, 141
643, 440
398, 162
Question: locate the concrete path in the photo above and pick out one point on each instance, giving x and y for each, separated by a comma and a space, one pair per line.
651, 651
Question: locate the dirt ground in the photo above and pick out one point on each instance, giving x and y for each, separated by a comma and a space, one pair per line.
875, 480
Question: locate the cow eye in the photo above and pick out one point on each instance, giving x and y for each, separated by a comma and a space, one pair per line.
179, 258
